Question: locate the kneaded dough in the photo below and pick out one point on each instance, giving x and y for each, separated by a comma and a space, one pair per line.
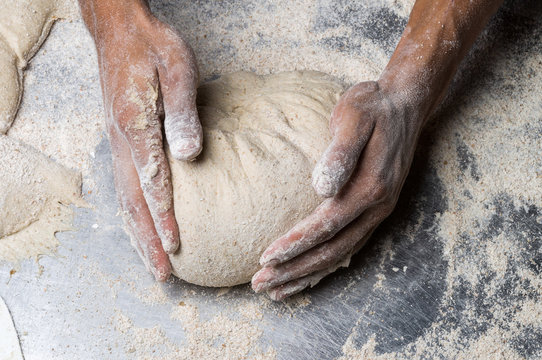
34, 190
24, 25
252, 182
35, 193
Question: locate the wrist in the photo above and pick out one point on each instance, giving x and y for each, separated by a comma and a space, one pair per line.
410, 102
105, 17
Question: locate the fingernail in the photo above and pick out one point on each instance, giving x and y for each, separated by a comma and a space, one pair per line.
256, 287
260, 280
273, 257
186, 149
268, 259
161, 272
323, 184
169, 243
170, 246
184, 135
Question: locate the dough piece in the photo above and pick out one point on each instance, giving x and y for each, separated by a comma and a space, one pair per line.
252, 182
24, 25
34, 196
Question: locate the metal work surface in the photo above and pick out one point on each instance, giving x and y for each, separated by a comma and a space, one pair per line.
426, 286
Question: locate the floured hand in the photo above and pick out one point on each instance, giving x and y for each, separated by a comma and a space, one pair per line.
148, 73
375, 128
361, 174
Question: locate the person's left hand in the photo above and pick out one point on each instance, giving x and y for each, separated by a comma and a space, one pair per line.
361, 174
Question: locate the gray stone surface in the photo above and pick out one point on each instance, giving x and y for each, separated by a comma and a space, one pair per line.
426, 285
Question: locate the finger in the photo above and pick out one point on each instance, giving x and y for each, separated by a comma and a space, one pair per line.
288, 289
350, 135
319, 258
138, 120
326, 221
136, 214
134, 242
178, 75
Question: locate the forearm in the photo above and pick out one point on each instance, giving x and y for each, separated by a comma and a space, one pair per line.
103, 16
438, 35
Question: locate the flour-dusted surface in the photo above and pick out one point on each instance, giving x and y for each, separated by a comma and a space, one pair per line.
24, 25
35, 192
61, 113
9, 342
454, 273
252, 183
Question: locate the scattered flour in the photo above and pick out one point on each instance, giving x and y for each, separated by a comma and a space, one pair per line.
219, 337
35, 194
486, 151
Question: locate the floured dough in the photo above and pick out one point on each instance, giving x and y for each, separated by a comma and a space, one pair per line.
252, 182
34, 191
34, 196
24, 25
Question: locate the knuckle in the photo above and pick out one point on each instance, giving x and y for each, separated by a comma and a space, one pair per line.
183, 46
387, 208
380, 191
366, 86
129, 207
129, 210
118, 117
185, 49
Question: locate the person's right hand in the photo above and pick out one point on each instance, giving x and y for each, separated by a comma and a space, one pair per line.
147, 71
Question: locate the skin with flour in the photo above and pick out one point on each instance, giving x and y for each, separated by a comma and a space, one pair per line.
375, 128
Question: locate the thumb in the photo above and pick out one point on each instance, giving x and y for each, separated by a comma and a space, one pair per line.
350, 135
179, 79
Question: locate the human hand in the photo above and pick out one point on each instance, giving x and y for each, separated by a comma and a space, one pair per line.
148, 72
375, 127
361, 174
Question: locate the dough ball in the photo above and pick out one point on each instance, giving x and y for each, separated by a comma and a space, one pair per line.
252, 182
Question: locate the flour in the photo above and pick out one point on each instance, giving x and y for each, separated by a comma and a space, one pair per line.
24, 25
486, 149
497, 122
219, 337
61, 113
246, 38
35, 194
142, 343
